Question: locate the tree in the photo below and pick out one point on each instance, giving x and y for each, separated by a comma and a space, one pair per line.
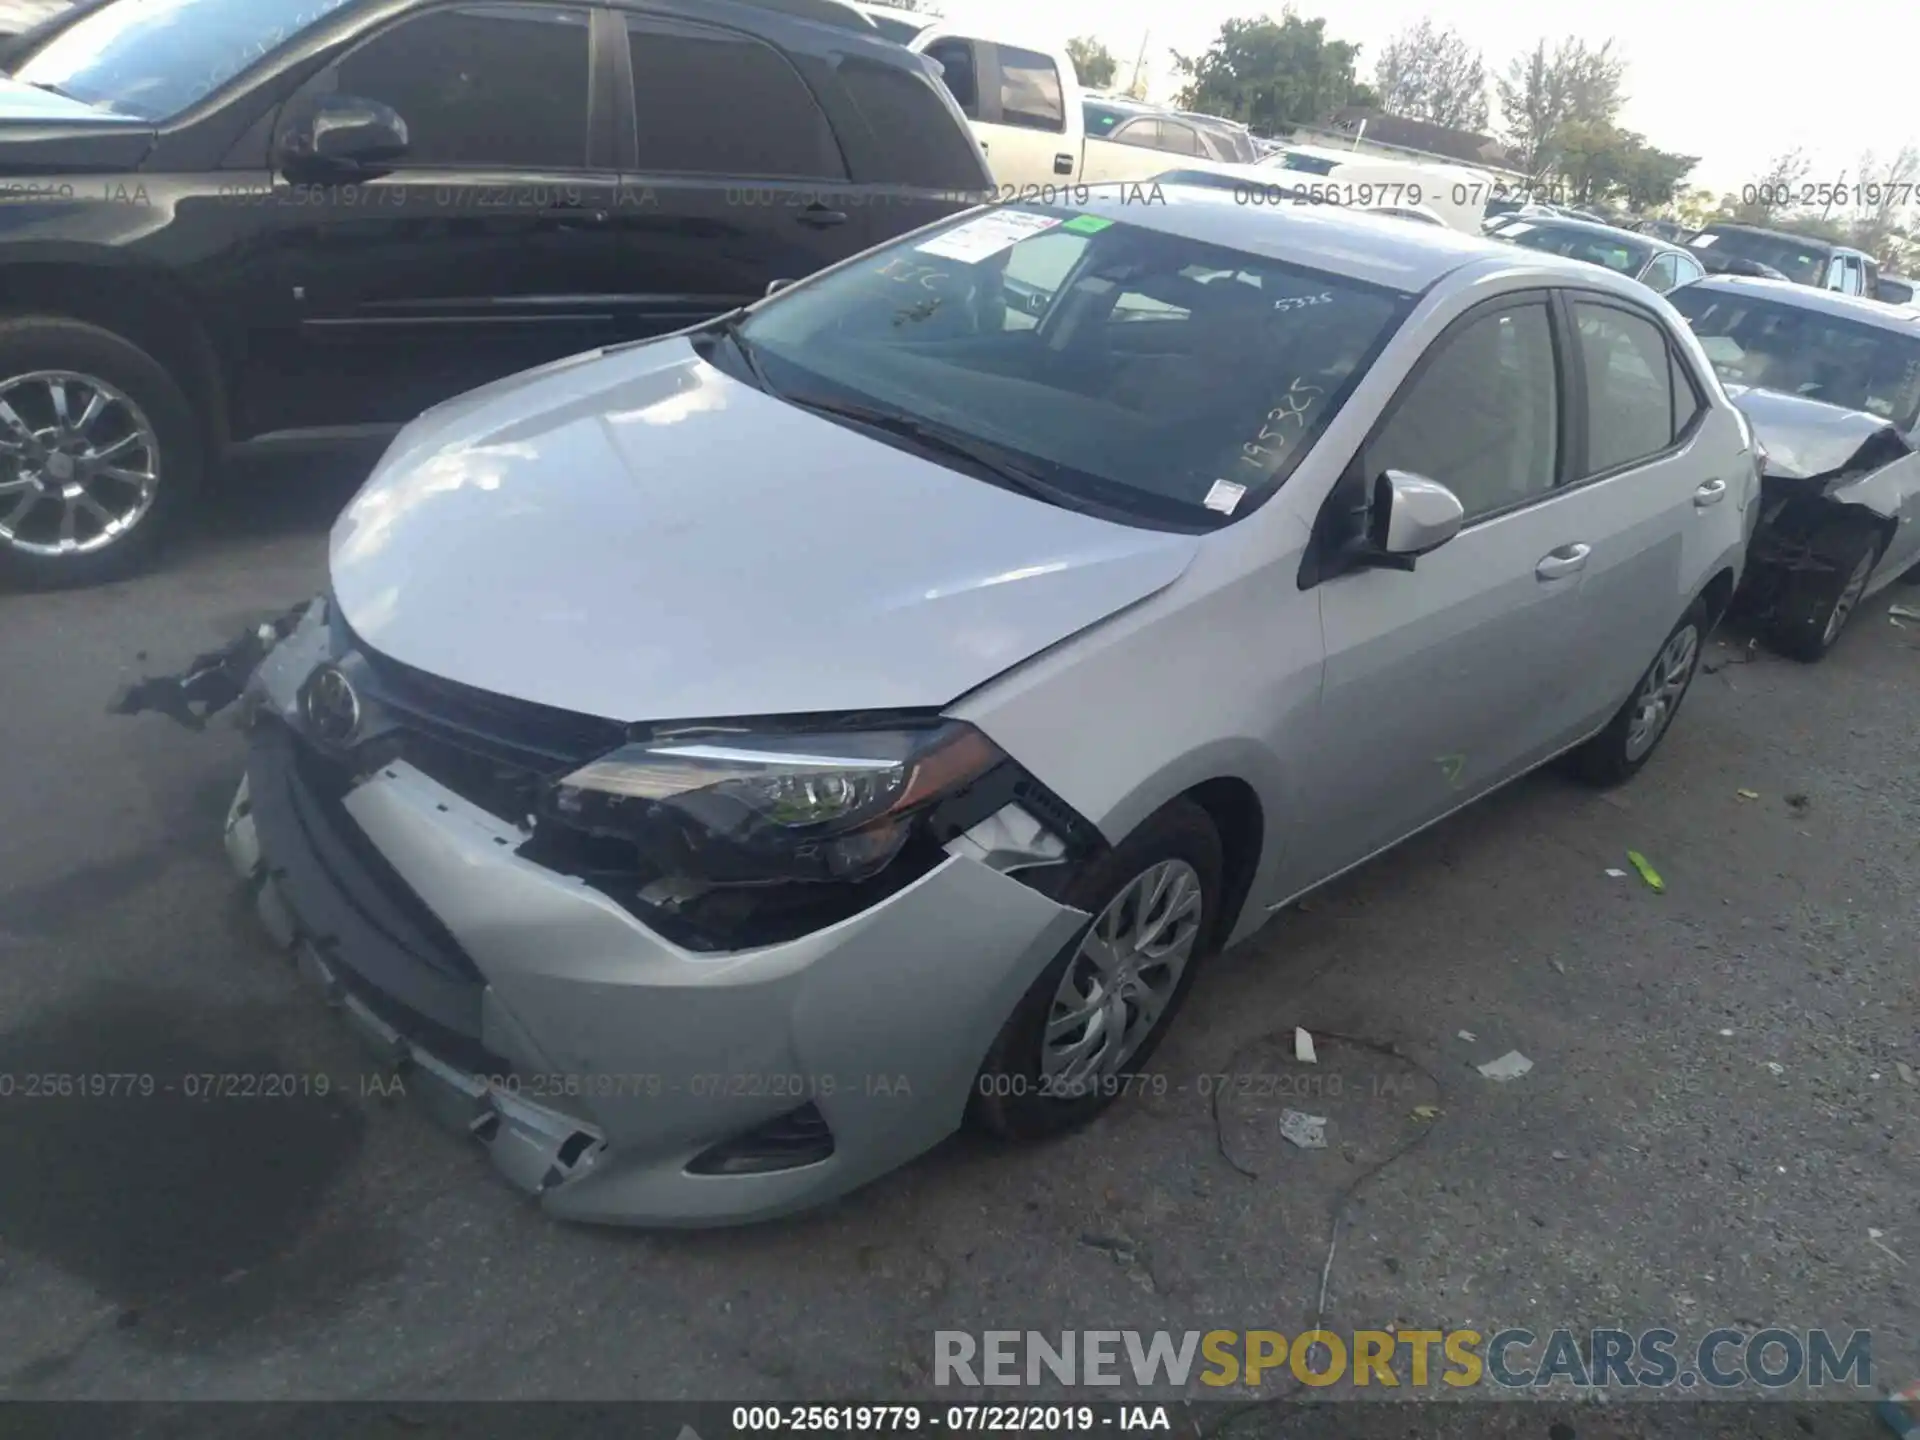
1092, 62
1599, 161
1882, 196
1272, 74
1434, 75
1771, 192
1542, 91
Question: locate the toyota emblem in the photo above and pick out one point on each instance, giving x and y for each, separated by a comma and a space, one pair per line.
333, 710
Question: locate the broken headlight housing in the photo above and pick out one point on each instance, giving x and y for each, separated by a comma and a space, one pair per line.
772, 809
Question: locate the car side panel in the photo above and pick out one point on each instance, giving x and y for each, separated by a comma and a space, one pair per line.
1216, 677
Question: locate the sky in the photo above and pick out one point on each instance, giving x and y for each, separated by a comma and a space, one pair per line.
1733, 86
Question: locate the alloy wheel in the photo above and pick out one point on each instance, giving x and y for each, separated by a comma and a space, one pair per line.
1123, 977
79, 463
1666, 681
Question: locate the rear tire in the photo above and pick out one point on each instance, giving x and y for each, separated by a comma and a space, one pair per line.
104, 459
1816, 605
1026, 1089
1617, 753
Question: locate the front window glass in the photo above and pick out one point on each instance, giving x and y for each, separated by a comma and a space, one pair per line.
1131, 370
149, 59
1801, 263
1772, 346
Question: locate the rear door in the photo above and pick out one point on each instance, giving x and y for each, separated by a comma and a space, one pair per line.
487, 250
732, 175
1652, 490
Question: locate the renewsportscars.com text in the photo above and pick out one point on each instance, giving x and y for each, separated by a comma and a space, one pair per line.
1509, 1359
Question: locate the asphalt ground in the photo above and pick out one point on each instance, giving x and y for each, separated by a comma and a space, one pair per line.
1716, 1130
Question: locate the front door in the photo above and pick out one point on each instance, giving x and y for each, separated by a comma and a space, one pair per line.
488, 249
733, 176
1446, 680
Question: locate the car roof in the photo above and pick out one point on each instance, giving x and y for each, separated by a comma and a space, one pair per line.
1718, 226
1808, 297
1598, 229
1376, 249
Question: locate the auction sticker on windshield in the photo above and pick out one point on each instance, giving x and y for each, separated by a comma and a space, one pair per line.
1701, 242
989, 235
1087, 224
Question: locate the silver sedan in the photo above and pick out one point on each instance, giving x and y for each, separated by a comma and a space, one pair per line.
723, 766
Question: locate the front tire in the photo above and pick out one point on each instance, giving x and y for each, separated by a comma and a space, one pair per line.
1098, 1012
1814, 611
100, 453
1618, 752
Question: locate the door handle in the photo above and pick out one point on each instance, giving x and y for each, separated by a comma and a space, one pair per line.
1063, 164
1564, 561
1711, 493
819, 217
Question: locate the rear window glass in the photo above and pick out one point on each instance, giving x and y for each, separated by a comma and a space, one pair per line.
1800, 262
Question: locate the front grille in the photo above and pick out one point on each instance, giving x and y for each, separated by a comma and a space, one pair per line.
493, 751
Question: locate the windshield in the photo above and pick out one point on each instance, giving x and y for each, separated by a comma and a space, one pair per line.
1800, 262
1797, 351
1141, 373
150, 59
1615, 252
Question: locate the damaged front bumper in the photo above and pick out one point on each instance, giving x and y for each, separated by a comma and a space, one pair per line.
605, 1069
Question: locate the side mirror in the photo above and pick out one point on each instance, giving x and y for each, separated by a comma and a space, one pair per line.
1409, 516
774, 287
343, 135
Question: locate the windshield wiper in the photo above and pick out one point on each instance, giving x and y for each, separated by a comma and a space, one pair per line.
729, 326
980, 453
53, 89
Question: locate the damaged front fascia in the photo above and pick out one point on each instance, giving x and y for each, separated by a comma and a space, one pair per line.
1823, 449
213, 681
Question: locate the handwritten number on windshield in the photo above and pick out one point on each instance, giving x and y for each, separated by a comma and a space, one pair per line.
1271, 443
907, 273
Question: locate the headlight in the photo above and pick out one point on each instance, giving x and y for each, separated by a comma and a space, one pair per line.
770, 809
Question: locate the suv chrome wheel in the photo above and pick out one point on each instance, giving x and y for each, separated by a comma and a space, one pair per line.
79, 463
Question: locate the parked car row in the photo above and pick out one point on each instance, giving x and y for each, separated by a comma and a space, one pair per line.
1171, 559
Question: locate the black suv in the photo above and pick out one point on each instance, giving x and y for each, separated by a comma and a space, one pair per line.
247, 223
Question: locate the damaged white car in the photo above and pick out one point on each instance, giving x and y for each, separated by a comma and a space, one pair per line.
1831, 384
724, 764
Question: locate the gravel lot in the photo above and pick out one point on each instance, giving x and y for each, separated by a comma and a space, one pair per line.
1652, 1169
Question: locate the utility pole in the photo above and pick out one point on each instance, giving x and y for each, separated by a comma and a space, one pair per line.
1140, 60
1830, 194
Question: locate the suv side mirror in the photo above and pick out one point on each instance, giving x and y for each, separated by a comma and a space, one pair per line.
341, 135
1408, 516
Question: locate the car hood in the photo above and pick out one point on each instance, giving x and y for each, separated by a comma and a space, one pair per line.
638, 536
1810, 439
20, 101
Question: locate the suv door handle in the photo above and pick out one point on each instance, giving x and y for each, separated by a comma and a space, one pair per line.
1565, 560
1711, 493
1063, 164
820, 218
